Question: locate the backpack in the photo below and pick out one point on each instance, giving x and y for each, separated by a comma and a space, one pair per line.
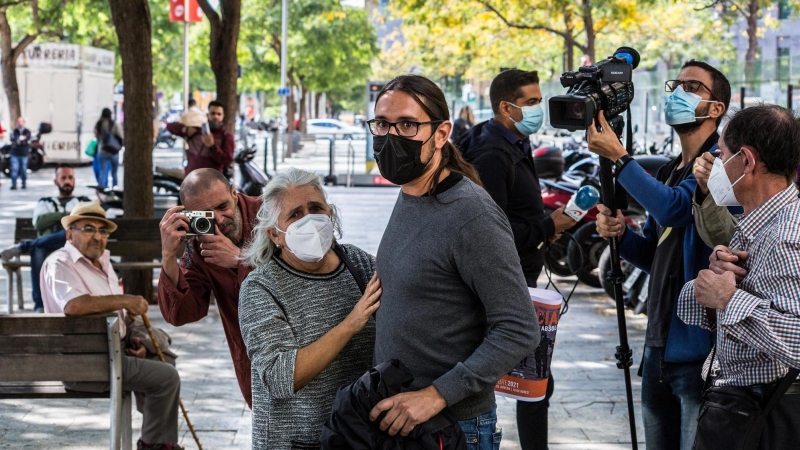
109, 142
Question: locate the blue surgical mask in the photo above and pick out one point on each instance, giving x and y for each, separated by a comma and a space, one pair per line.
532, 119
681, 107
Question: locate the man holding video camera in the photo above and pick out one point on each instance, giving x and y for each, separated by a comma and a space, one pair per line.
210, 263
670, 250
209, 144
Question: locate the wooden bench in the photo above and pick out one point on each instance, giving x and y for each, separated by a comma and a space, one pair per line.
39, 351
139, 238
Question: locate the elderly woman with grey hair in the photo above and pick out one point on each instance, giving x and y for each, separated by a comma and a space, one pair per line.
305, 321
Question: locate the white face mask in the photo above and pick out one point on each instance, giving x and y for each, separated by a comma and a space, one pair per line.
720, 185
309, 238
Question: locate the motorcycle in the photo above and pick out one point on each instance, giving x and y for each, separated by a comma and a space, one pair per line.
36, 152
253, 179
635, 283
579, 252
165, 137
166, 187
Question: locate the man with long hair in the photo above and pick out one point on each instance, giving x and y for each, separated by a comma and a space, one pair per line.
455, 308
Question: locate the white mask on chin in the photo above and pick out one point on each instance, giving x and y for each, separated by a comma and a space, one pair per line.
720, 185
310, 238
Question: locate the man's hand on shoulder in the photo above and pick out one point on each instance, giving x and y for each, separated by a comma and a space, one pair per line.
217, 249
407, 410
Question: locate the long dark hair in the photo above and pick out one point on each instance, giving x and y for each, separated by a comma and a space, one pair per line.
431, 99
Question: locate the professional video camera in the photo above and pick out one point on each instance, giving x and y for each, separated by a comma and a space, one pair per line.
606, 86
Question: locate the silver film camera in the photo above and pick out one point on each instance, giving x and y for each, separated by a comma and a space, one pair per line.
200, 222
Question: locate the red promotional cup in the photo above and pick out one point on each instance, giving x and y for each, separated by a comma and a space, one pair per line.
527, 381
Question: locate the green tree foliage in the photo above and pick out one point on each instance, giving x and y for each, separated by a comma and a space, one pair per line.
478, 37
331, 47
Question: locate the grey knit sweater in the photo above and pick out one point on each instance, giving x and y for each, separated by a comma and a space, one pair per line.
455, 308
282, 310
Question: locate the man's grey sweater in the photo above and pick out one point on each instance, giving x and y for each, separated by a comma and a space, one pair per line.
455, 308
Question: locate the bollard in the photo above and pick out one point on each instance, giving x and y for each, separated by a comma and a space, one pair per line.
741, 99
789, 95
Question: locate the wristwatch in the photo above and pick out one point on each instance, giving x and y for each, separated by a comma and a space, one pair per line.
621, 162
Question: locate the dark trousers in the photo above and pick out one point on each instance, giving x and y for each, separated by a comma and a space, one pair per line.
532, 421
532, 416
39, 250
782, 427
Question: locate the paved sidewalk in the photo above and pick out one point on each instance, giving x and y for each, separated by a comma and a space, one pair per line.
588, 410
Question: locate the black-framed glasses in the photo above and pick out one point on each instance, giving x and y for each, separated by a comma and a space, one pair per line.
90, 231
691, 86
404, 128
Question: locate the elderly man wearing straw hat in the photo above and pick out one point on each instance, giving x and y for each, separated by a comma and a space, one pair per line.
78, 280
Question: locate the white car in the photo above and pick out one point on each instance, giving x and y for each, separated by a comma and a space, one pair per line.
335, 127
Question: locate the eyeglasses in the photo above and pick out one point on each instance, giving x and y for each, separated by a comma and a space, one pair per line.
405, 128
691, 86
89, 231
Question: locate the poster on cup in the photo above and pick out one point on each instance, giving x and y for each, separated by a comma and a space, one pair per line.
527, 381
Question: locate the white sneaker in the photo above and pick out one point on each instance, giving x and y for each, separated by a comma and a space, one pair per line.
9, 253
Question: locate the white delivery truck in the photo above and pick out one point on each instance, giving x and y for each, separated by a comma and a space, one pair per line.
66, 85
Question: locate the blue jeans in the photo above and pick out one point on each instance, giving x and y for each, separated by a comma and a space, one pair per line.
19, 168
481, 432
39, 250
671, 397
108, 163
96, 170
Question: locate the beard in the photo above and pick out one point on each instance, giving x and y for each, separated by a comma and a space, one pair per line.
691, 127
233, 226
214, 125
65, 190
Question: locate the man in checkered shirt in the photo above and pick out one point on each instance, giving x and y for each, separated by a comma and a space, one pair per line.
751, 292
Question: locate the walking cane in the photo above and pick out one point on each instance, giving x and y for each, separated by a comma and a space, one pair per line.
161, 357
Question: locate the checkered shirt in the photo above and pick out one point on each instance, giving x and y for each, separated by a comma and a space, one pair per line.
758, 334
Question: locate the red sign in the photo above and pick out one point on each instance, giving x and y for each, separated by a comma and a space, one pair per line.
378, 180
177, 11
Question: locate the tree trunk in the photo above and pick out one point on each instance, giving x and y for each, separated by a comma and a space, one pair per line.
303, 112
569, 39
131, 20
588, 25
752, 40
224, 64
317, 101
8, 63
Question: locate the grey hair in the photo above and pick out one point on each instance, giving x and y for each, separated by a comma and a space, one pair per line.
261, 249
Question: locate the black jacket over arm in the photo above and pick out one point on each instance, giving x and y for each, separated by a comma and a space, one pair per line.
508, 175
349, 427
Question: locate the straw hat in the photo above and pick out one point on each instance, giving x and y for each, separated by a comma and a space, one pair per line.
88, 210
193, 118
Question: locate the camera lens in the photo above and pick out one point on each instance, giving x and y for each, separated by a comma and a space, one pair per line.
577, 110
202, 225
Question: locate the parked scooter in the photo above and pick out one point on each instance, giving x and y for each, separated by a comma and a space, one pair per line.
36, 152
580, 253
166, 183
165, 139
253, 179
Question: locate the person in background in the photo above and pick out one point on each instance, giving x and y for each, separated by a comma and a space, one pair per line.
463, 123
47, 220
212, 149
109, 136
20, 148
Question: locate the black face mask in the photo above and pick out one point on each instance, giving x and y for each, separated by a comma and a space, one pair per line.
398, 158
